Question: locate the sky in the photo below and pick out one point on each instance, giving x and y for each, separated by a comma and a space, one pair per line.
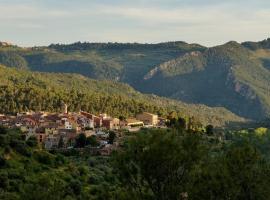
207, 22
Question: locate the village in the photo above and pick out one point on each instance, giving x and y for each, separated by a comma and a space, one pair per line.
54, 131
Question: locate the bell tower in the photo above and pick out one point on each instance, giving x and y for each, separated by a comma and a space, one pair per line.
64, 108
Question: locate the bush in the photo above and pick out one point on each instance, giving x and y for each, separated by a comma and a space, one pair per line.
4, 180
60, 159
80, 141
21, 147
92, 141
44, 157
75, 186
3, 130
2, 162
3, 141
32, 142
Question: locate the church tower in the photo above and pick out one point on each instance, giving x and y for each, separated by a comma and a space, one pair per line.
64, 108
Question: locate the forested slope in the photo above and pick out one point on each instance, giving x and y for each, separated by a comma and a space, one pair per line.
22, 90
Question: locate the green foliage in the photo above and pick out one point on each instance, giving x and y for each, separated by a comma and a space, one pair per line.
112, 137
177, 123
209, 129
152, 164
261, 131
80, 141
12, 59
157, 163
24, 91
2, 161
44, 157
32, 141
53, 176
3, 130
92, 141
239, 173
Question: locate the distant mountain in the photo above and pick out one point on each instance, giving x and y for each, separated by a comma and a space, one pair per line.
233, 75
115, 61
230, 75
22, 90
265, 44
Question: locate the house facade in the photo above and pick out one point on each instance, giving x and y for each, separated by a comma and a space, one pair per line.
148, 118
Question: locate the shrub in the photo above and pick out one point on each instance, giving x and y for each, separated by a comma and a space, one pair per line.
2, 162
44, 157
32, 142
3, 130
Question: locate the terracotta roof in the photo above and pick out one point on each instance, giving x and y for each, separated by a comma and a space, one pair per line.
132, 121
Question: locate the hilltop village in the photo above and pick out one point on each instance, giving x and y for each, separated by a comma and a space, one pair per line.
61, 130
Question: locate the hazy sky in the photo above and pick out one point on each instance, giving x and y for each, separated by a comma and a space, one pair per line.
208, 22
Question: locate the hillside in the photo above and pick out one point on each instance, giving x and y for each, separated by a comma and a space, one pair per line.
24, 90
29, 172
210, 163
114, 61
233, 75
229, 75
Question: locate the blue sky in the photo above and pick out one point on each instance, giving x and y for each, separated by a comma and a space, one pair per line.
208, 22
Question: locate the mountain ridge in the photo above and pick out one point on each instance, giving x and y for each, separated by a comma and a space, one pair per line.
233, 75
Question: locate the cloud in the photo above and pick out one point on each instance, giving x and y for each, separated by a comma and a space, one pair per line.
208, 22
31, 12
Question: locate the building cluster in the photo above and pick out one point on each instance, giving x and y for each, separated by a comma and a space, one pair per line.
51, 129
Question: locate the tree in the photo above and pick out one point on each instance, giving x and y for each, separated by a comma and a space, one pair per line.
32, 142
181, 123
172, 115
209, 129
92, 141
194, 124
240, 173
80, 141
112, 137
4, 181
157, 163
3, 130
249, 171
121, 118
177, 123
2, 161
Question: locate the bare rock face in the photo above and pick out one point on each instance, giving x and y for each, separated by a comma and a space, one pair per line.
181, 65
151, 74
244, 91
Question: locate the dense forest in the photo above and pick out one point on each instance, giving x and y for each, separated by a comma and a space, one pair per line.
22, 90
191, 165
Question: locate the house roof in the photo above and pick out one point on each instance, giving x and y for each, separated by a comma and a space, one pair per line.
132, 121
